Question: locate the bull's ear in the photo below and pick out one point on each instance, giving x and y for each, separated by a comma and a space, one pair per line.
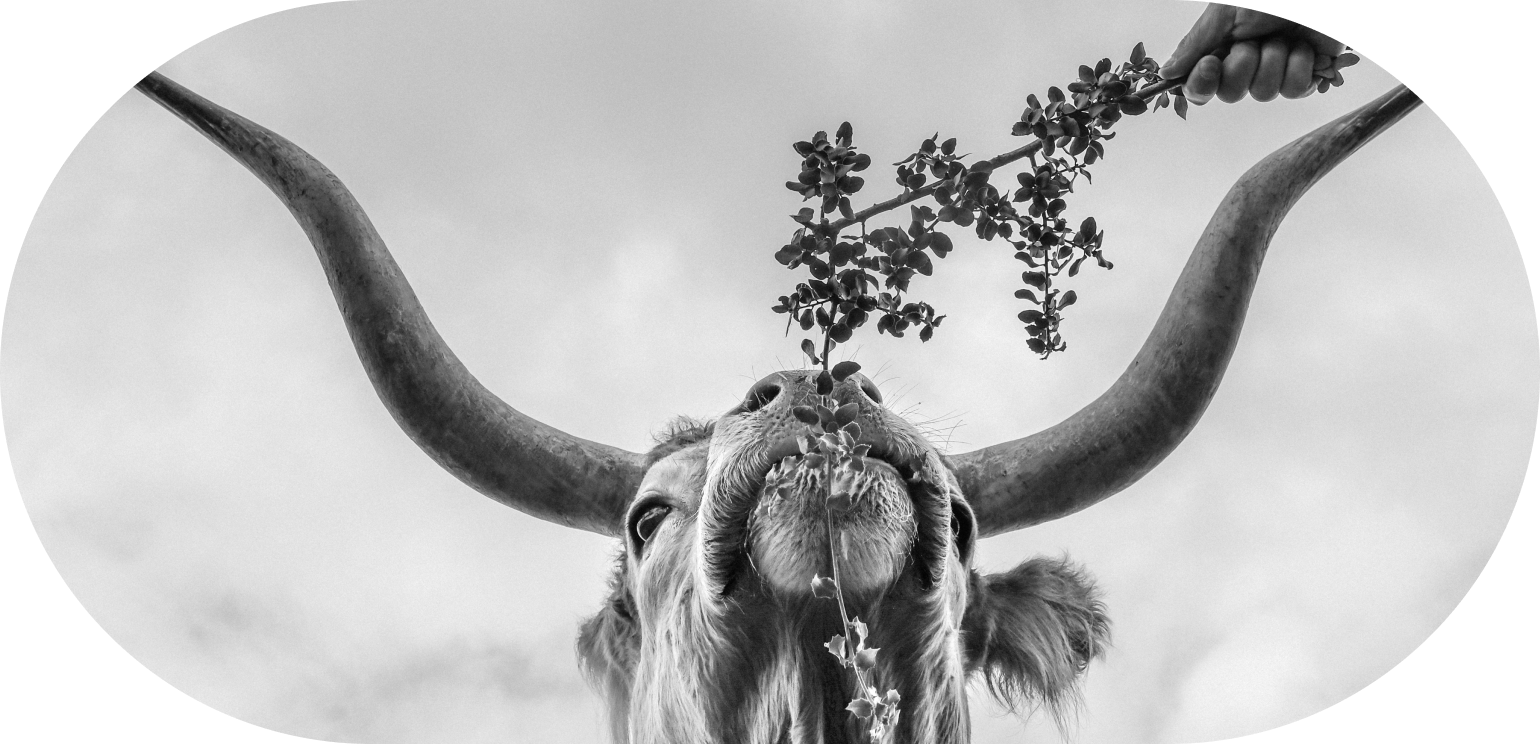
1031, 631
608, 646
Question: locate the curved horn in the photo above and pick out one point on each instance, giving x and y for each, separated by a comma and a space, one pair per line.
469, 431
1106, 446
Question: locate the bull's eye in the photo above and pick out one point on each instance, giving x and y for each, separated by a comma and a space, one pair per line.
648, 522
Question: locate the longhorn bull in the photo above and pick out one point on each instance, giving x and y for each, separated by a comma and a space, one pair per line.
710, 632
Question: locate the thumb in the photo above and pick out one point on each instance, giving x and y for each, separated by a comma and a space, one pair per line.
1212, 29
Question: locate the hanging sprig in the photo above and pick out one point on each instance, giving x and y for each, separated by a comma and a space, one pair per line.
831, 450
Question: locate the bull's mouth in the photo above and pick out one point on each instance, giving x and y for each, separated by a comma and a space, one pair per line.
895, 521
792, 526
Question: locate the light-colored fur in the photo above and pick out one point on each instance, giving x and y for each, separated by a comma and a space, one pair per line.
695, 644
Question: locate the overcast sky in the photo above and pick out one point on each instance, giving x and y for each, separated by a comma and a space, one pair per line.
586, 197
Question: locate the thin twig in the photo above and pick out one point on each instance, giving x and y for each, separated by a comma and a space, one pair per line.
995, 162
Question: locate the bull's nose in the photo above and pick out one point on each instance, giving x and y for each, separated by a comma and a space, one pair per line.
763, 393
866, 386
798, 387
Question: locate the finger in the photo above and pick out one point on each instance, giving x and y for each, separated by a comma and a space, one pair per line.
1254, 24
1296, 76
1239, 68
1270, 69
1323, 44
1203, 80
1211, 30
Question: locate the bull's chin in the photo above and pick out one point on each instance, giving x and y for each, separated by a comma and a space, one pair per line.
789, 532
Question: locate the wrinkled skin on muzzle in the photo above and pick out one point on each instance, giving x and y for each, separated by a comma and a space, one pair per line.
904, 509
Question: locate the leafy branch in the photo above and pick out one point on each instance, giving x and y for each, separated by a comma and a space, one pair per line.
857, 276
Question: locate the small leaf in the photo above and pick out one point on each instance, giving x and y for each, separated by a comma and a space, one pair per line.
1138, 55
809, 349
1068, 299
805, 414
861, 707
836, 646
1181, 106
1026, 294
825, 382
940, 244
859, 628
866, 659
949, 146
838, 502
824, 587
846, 413
844, 370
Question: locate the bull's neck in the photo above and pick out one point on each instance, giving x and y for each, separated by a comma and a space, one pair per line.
755, 670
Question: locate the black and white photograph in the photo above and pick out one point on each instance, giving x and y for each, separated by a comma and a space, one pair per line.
1100, 372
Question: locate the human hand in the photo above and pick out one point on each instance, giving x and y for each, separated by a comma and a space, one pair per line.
1263, 55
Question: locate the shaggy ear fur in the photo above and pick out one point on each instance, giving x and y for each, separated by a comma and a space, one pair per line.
1031, 631
607, 647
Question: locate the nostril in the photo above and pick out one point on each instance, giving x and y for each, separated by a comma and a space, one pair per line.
760, 396
870, 388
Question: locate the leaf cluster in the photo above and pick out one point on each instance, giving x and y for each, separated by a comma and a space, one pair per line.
828, 169
856, 277
853, 278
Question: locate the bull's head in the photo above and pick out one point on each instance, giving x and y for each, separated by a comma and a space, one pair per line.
711, 632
